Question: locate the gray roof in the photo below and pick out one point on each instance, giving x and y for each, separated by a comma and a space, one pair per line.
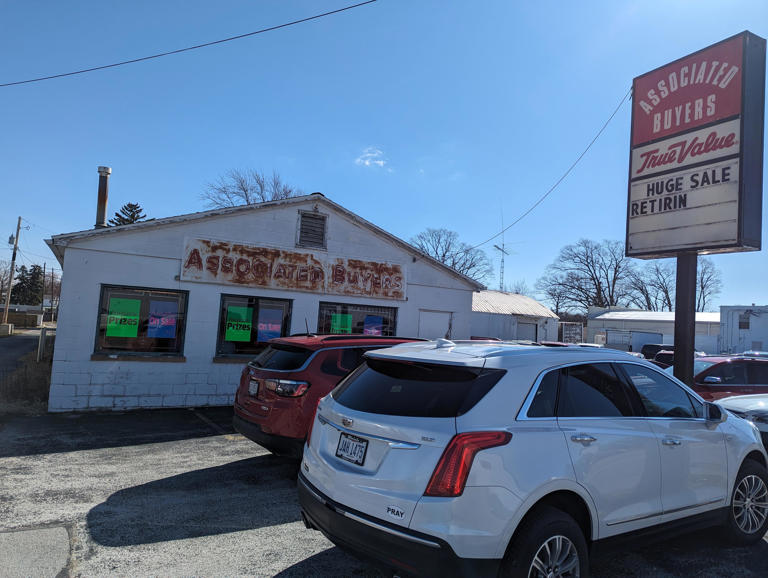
58, 243
701, 316
508, 304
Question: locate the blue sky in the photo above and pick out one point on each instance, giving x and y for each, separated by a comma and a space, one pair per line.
412, 114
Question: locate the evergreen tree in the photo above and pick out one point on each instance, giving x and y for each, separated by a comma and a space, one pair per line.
129, 213
28, 288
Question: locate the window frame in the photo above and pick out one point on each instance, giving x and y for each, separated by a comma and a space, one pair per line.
664, 376
632, 397
99, 353
640, 413
744, 321
395, 311
221, 323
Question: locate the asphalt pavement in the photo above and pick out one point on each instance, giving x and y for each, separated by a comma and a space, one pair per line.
13, 347
179, 493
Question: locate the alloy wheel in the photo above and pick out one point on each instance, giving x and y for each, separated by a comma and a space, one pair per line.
556, 558
750, 504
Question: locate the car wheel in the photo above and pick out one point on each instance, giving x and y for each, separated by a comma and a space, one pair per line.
748, 513
548, 544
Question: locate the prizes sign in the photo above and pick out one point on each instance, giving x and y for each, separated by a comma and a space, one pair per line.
695, 177
123, 317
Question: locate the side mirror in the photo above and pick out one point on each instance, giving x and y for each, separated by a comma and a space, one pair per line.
713, 380
714, 413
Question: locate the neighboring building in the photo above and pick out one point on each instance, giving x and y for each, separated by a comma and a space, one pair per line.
601, 322
743, 327
511, 316
165, 313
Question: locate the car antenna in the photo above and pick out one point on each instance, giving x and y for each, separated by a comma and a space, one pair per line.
306, 324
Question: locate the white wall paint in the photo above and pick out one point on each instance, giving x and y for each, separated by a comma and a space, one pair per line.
152, 258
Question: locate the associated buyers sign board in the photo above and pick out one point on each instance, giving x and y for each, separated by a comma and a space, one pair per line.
696, 156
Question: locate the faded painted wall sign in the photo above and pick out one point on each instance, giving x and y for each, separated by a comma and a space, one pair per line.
252, 266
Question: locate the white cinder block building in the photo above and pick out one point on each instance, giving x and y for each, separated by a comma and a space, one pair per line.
164, 313
600, 322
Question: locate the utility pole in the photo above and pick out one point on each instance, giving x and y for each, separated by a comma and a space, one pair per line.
51, 293
42, 297
10, 277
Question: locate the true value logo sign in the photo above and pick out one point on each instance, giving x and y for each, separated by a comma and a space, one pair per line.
695, 176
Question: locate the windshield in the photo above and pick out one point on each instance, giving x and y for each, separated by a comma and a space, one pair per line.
281, 357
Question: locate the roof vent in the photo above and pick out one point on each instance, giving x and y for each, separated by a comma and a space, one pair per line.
311, 230
444, 344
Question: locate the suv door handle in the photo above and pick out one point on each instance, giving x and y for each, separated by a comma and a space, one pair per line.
583, 438
671, 442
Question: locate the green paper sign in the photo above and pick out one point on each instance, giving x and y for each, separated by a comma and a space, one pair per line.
123, 318
341, 323
238, 324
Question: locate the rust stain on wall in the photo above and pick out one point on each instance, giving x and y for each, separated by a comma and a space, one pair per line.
248, 265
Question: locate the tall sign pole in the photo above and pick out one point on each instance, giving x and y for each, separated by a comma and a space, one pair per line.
685, 316
695, 167
13, 269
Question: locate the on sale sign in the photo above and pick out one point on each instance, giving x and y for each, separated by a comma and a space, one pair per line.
695, 171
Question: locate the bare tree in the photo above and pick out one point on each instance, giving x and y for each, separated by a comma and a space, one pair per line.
552, 287
5, 272
520, 287
591, 274
708, 283
653, 287
444, 245
247, 187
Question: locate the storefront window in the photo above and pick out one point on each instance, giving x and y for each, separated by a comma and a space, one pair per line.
356, 319
141, 321
247, 323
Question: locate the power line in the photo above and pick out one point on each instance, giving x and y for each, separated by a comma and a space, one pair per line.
39, 226
562, 178
188, 48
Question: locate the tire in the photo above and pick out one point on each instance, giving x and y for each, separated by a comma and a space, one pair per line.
747, 519
546, 526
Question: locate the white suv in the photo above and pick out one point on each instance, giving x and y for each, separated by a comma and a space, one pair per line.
487, 459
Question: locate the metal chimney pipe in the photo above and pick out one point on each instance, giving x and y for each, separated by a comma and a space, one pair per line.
101, 204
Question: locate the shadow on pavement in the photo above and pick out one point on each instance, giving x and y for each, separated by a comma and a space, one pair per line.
53, 433
331, 562
703, 554
242, 495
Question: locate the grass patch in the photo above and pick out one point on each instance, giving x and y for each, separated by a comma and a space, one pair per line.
25, 390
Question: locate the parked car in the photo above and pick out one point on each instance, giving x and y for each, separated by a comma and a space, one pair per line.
716, 377
754, 353
664, 358
279, 389
464, 459
649, 350
750, 407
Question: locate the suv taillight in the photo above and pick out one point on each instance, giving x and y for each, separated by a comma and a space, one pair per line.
452, 470
286, 387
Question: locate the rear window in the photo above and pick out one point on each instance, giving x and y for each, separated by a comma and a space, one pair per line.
281, 357
415, 389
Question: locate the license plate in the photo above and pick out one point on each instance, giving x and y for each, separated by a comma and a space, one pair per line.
253, 387
352, 448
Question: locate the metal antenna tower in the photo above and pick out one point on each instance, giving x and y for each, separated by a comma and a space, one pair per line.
503, 252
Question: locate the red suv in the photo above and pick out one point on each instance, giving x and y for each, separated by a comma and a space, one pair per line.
279, 389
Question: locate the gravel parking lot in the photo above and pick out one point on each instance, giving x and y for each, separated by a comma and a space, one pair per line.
177, 492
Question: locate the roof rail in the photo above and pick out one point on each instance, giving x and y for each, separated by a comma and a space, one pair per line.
362, 336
